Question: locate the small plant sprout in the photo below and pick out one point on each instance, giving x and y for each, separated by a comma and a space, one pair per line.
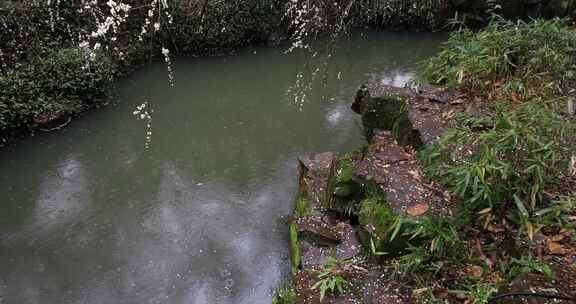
330, 279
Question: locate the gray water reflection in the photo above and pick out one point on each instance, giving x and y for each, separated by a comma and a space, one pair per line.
88, 216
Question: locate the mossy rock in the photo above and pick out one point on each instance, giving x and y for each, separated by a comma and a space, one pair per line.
347, 193
382, 113
389, 113
294, 248
302, 206
377, 227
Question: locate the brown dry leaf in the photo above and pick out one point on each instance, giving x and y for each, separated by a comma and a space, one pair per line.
419, 291
415, 174
495, 228
515, 97
442, 294
557, 238
499, 83
555, 248
418, 209
474, 271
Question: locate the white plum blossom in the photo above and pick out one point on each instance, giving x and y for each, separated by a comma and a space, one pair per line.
144, 112
166, 54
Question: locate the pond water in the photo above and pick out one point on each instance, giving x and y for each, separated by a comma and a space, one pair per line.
87, 215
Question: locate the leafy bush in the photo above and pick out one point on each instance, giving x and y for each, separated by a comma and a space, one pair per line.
435, 239
535, 58
523, 153
26, 32
56, 84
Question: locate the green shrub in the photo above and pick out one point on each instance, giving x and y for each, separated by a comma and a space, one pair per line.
527, 264
535, 58
507, 166
433, 240
59, 82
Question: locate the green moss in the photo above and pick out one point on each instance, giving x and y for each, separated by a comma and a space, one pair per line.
389, 113
295, 248
381, 113
376, 212
345, 171
284, 296
380, 232
302, 206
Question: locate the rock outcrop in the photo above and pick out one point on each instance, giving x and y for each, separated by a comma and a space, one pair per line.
331, 219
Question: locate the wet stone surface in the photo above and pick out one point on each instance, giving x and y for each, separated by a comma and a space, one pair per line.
429, 110
315, 172
396, 171
381, 288
400, 115
321, 233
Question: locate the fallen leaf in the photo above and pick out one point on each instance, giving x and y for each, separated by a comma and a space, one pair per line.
499, 83
557, 238
555, 248
418, 209
415, 174
419, 291
495, 228
474, 271
515, 97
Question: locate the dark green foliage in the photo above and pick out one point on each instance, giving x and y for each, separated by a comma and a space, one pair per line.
432, 239
421, 14
59, 82
215, 26
27, 31
505, 165
347, 192
528, 264
535, 58
329, 279
523, 153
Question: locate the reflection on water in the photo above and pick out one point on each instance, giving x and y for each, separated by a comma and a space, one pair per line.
62, 196
88, 216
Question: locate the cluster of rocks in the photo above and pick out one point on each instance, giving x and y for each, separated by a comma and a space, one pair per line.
397, 122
